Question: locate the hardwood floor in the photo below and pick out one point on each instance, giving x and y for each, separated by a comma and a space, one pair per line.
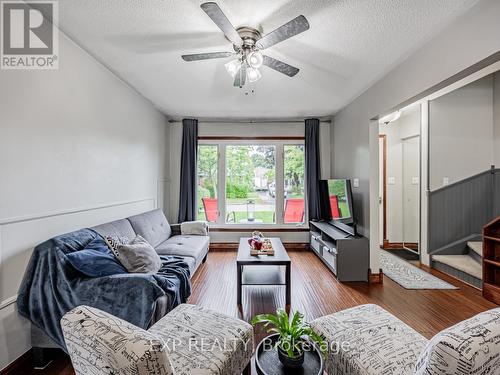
316, 292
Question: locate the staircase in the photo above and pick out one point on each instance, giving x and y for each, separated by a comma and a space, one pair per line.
466, 266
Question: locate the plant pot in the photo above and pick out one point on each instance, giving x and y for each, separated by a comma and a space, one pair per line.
294, 362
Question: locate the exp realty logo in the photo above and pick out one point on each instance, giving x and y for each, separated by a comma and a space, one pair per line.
29, 36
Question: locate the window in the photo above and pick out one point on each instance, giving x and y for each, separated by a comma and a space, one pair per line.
208, 158
294, 211
240, 183
250, 172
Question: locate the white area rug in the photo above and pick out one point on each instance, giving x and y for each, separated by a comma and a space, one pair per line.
409, 276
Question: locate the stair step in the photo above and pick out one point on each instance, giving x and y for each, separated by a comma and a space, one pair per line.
476, 246
464, 263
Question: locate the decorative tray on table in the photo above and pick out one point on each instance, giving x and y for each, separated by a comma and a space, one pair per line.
259, 245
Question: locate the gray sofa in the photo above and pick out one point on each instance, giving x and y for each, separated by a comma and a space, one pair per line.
165, 238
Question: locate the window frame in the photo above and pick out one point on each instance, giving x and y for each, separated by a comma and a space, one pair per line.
279, 180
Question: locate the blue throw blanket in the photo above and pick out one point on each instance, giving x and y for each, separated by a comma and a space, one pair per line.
51, 287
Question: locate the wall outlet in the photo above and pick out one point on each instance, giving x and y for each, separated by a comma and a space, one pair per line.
415, 180
391, 181
446, 181
355, 182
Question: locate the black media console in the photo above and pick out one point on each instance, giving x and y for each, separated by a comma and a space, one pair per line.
347, 256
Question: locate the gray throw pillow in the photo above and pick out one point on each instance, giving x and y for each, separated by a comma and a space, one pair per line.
138, 256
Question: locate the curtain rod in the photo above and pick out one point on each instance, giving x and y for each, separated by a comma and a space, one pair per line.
247, 121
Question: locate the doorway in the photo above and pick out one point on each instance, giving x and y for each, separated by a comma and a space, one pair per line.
399, 180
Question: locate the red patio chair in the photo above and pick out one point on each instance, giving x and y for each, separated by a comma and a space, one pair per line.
334, 205
294, 210
212, 212
210, 208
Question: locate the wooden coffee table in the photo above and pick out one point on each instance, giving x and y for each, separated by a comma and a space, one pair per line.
263, 269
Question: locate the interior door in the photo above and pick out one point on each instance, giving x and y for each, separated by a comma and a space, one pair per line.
411, 196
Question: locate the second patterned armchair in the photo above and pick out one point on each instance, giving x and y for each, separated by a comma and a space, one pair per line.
188, 340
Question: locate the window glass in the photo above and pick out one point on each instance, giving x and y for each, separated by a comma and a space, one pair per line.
207, 183
250, 184
294, 209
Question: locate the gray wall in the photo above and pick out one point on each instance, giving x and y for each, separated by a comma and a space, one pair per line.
78, 147
460, 210
471, 38
460, 133
496, 118
496, 197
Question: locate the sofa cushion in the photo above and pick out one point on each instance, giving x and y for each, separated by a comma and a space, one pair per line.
191, 262
185, 245
151, 225
369, 340
469, 347
202, 341
117, 228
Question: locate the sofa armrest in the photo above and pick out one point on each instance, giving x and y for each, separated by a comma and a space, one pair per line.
96, 340
176, 229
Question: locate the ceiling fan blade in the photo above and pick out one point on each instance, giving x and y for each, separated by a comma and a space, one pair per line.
206, 56
243, 71
280, 66
289, 29
220, 19
240, 77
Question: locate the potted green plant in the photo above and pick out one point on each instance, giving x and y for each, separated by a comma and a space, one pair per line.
294, 336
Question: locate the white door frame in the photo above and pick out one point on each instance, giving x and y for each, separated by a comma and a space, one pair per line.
375, 189
374, 197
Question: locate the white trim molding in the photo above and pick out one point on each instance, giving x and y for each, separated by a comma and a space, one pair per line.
21, 219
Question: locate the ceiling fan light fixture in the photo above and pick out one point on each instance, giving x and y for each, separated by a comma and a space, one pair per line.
247, 45
233, 67
255, 59
253, 75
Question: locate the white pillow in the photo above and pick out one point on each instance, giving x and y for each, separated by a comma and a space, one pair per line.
469, 347
195, 228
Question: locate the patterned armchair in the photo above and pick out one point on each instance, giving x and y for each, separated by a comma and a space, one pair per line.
188, 340
378, 343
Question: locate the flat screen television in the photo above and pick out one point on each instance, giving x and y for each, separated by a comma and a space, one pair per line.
341, 207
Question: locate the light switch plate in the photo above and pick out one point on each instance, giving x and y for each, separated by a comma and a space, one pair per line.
414, 180
355, 182
446, 181
391, 181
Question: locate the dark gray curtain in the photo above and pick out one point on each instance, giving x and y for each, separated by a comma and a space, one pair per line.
187, 203
313, 186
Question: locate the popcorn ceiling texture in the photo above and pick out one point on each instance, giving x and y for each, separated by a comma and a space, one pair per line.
350, 45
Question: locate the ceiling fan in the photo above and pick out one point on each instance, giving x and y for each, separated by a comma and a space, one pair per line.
248, 44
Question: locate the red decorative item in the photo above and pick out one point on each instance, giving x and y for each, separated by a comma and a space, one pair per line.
255, 243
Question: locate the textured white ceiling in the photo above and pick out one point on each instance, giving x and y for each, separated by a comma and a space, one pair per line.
350, 45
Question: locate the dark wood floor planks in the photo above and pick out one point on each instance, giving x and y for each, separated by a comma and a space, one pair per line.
316, 292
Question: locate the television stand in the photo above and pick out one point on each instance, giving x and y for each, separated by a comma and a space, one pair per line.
347, 256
